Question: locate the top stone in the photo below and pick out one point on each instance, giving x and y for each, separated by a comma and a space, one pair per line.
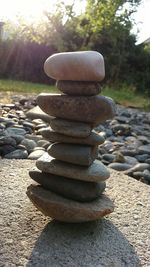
76, 66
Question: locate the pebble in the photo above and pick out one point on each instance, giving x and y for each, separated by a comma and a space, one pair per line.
90, 109
17, 154
29, 144
69, 188
96, 172
79, 88
36, 154
119, 166
144, 149
76, 154
76, 66
146, 175
70, 128
66, 210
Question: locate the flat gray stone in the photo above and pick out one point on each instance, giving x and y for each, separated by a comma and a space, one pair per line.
17, 154
93, 139
145, 149
90, 109
69, 188
97, 172
70, 128
76, 154
78, 87
67, 210
119, 166
37, 113
76, 66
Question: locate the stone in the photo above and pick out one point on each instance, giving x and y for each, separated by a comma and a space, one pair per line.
142, 157
76, 66
71, 128
146, 175
17, 154
145, 149
6, 149
36, 154
90, 109
93, 139
29, 144
73, 153
139, 167
7, 140
37, 113
131, 160
15, 131
79, 87
69, 188
66, 210
119, 166
96, 172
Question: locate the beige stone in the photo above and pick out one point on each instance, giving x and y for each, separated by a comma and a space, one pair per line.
76, 66
66, 210
90, 109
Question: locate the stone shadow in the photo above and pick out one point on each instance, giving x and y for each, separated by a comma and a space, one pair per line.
93, 244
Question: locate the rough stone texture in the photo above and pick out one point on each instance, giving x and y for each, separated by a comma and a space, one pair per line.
67, 210
76, 154
30, 239
37, 113
93, 139
79, 88
76, 66
70, 128
69, 188
91, 109
97, 172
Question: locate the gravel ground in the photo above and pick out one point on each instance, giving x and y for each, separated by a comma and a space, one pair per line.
27, 238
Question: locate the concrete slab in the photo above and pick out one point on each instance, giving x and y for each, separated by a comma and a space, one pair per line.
29, 239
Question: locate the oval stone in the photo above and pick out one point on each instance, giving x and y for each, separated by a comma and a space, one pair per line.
79, 87
76, 66
76, 154
66, 210
70, 188
91, 109
54, 137
70, 128
96, 172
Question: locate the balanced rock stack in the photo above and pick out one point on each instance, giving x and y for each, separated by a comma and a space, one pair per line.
71, 180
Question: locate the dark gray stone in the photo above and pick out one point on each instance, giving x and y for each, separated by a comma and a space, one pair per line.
76, 154
17, 154
96, 172
119, 166
69, 188
93, 139
70, 128
79, 87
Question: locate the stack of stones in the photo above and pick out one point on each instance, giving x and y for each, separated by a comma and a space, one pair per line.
71, 180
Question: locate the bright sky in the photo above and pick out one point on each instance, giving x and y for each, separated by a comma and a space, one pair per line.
32, 10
